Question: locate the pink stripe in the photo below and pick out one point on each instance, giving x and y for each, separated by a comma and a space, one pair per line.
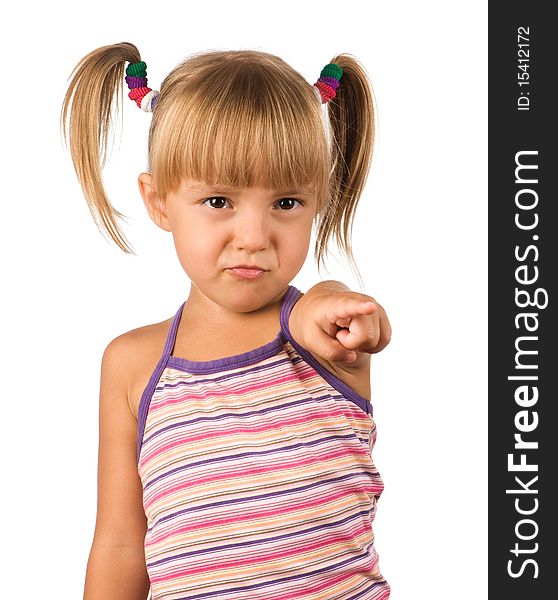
309, 588
308, 417
215, 392
356, 414
264, 557
250, 516
257, 471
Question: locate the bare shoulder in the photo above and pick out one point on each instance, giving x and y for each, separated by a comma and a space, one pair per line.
120, 518
134, 354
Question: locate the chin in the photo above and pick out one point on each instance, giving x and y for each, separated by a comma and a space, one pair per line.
247, 297
238, 295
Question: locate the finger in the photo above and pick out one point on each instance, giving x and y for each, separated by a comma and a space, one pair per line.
331, 349
349, 307
363, 333
385, 331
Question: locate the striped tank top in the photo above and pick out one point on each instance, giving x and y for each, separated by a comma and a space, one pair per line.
257, 476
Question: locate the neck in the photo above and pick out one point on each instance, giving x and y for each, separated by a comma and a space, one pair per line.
206, 312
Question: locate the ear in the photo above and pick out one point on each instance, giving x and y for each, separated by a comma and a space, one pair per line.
156, 206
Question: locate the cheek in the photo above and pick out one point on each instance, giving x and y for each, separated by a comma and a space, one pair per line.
190, 244
196, 244
295, 242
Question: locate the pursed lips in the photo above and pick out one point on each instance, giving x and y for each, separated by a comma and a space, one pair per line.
249, 267
245, 272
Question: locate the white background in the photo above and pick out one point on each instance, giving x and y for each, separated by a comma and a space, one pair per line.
419, 239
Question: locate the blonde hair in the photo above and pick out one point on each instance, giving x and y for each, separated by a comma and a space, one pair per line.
238, 118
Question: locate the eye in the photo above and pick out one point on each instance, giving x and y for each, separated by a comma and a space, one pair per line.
219, 200
289, 202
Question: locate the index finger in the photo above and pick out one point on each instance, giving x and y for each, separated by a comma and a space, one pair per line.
345, 308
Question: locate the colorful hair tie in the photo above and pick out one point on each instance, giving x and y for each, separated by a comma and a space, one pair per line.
136, 78
328, 82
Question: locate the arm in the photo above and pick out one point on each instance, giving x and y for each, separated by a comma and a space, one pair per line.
331, 321
116, 566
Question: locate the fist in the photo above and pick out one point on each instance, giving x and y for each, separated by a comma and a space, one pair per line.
341, 326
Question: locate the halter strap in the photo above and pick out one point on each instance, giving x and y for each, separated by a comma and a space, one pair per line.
173, 329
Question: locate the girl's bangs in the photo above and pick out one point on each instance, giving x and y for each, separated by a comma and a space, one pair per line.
243, 142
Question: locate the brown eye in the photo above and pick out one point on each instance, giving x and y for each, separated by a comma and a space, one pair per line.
217, 204
288, 203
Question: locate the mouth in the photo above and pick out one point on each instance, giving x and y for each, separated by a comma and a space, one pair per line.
246, 271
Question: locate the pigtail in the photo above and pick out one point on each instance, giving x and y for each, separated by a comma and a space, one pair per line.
86, 121
351, 116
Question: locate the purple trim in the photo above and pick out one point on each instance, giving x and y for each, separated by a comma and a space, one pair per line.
289, 301
173, 329
154, 379
362, 402
226, 375
228, 362
146, 400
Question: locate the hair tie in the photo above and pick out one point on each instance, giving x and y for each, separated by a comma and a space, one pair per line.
136, 78
328, 82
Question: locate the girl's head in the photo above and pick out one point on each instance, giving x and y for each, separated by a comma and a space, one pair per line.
242, 159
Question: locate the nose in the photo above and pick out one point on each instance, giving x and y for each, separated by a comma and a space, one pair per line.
252, 231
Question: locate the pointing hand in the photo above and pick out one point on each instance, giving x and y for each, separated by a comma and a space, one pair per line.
341, 326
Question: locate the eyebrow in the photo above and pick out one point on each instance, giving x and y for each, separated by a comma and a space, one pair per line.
200, 189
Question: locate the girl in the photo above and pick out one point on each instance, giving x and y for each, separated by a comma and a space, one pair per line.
235, 438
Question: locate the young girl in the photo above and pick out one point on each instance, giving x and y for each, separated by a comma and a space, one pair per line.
235, 438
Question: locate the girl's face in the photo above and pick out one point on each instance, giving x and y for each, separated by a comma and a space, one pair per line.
216, 229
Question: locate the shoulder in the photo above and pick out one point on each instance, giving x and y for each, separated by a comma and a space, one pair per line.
120, 516
131, 357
